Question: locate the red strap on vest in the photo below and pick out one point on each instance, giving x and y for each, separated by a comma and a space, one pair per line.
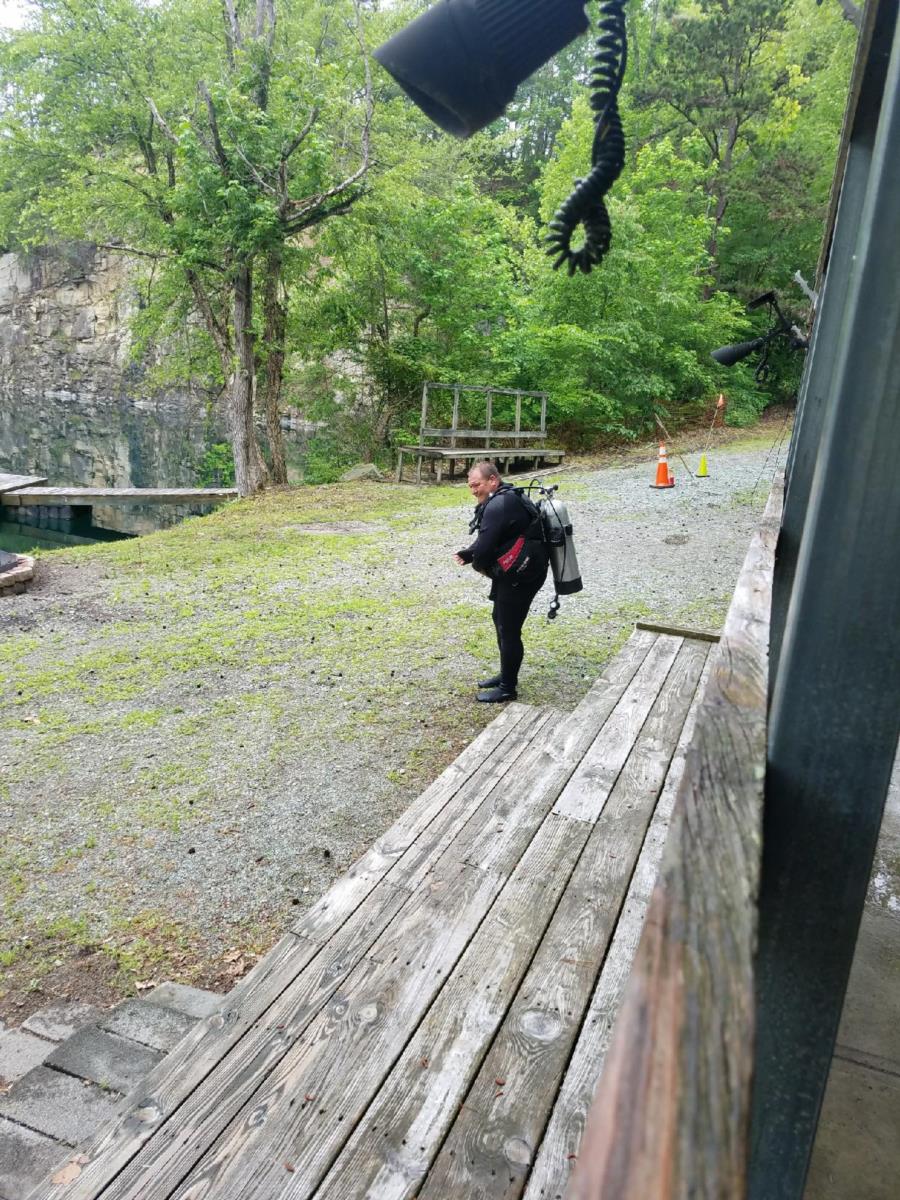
508, 560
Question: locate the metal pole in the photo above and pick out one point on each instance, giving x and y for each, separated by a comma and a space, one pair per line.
805, 440
862, 123
835, 712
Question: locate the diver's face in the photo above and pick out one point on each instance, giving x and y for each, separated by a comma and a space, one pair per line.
480, 487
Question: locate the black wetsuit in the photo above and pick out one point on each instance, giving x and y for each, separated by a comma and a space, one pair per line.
504, 518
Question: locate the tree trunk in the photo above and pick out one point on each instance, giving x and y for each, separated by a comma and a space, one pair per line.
250, 472
275, 314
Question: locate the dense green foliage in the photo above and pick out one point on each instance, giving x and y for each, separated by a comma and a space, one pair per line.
321, 260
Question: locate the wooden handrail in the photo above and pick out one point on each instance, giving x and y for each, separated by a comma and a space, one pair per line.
670, 1116
434, 431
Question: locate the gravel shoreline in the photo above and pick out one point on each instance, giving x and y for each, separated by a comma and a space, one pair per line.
174, 798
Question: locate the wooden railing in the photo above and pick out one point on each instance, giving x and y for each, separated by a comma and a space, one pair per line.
670, 1117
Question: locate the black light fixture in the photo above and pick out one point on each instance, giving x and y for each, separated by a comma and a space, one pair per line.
727, 356
462, 60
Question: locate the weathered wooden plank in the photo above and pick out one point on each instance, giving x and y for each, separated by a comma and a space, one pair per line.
477, 387
671, 1114
584, 795
287, 988
478, 452
495, 837
704, 635
90, 496
639, 642
466, 779
434, 431
494, 1138
9, 483
286, 1135
388, 1154
507, 770
562, 1137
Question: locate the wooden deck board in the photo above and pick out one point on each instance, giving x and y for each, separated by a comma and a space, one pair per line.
404, 985
496, 835
586, 792
286, 1135
400, 1132
561, 1139
494, 1139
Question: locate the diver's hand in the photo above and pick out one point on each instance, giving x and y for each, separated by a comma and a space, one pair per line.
457, 558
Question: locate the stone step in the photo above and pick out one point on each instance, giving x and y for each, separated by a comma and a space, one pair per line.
68, 1068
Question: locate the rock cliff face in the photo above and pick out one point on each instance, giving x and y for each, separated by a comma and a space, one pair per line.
74, 406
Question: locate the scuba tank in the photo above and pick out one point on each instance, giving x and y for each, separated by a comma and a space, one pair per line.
561, 547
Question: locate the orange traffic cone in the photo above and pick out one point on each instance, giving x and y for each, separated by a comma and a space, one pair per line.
663, 478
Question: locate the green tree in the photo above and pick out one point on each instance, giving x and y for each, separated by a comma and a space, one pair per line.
713, 71
633, 338
416, 282
209, 136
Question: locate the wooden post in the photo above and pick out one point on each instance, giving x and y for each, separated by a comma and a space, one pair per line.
454, 424
518, 441
488, 409
544, 413
424, 421
399, 466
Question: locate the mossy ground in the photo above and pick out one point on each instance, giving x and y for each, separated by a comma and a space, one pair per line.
296, 625
203, 726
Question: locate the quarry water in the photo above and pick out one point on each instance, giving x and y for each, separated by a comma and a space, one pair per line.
86, 441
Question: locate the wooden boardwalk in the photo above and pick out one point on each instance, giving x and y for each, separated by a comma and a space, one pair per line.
435, 1025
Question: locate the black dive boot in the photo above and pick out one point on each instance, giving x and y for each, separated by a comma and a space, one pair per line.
496, 695
492, 682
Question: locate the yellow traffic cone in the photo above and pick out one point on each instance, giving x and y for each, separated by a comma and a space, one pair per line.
703, 470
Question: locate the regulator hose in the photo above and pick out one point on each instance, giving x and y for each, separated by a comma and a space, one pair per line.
586, 205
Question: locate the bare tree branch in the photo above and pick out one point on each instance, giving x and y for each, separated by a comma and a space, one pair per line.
217, 330
301, 136
233, 38
299, 214
160, 121
318, 214
253, 171
219, 149
265, 21
155, 255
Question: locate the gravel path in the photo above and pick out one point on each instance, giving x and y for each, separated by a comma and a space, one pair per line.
203, 728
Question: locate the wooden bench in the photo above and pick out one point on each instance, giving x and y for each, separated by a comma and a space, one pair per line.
436, 1025
438, 455
501, 445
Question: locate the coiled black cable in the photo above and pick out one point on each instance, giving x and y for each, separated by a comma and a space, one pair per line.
586, 205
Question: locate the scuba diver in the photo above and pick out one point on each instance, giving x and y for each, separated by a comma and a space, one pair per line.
511, 552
